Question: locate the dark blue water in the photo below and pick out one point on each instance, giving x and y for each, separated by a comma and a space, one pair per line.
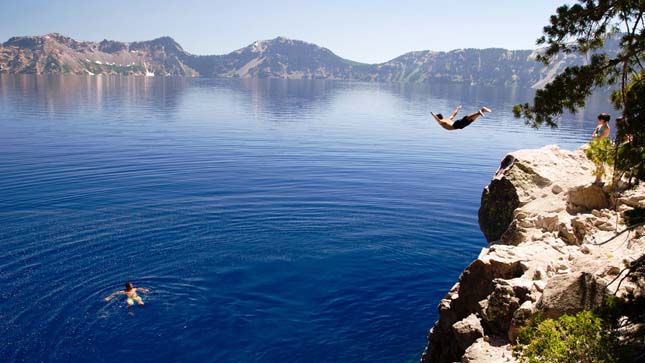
273, 221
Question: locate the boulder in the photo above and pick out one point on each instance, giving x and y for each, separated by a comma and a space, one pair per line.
585, 198
502, 303
515, 233
476, 282
489, 350
571, 293
498, 202
466, 331
528, 175
633, 198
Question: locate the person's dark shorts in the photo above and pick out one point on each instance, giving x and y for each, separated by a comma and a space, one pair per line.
460, 124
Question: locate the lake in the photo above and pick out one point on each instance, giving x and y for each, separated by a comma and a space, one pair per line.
272, 220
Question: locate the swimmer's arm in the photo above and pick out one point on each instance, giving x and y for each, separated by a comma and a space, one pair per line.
143, 290
114, 294
455, 112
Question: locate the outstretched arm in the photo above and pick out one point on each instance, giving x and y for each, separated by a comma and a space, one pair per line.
455, 112
442, 123
112, 295
143, 290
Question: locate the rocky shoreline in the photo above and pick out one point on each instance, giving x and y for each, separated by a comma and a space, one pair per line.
545, 223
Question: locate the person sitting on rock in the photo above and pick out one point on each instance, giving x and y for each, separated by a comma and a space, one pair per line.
449, 124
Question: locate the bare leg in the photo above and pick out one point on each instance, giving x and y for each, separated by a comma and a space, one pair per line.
598, 175
474, 116
481, 112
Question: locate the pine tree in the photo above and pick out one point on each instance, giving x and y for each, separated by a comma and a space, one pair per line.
584, 28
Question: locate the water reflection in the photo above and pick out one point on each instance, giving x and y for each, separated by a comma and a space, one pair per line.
55, 95
279, 97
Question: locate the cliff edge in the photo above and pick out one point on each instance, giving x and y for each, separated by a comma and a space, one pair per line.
545, 224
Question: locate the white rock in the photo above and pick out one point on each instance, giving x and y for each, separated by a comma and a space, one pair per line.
541, 253
492, 350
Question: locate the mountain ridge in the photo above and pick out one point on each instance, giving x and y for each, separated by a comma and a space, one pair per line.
279, 57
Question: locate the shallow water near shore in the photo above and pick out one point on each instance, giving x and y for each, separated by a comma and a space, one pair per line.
273, 220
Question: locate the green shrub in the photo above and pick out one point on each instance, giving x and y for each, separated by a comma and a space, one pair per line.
601, 152
583, 338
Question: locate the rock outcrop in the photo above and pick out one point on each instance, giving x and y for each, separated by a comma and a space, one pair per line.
544, 222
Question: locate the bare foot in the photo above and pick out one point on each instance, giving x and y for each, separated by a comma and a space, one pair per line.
486, 109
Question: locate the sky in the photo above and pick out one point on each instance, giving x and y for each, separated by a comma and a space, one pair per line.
370, 31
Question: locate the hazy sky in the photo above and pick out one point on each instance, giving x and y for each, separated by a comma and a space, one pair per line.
361, 30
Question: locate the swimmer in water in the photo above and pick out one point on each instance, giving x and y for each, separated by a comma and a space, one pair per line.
131, 293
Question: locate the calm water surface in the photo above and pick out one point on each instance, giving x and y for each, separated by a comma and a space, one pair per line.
274, 221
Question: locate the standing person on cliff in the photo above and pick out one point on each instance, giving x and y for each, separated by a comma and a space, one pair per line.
601, 131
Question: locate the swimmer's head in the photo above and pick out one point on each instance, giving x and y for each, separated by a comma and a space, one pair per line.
440, 116
128, 286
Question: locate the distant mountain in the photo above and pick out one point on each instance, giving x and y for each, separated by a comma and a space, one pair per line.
55, 53
279, 58
488, 66
276, 58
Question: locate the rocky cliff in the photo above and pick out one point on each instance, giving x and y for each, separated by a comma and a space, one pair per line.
276, 58
545, 223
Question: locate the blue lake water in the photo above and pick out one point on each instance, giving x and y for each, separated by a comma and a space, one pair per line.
274, 221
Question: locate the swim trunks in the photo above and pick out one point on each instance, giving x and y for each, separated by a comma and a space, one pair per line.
131, 300
460, 124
